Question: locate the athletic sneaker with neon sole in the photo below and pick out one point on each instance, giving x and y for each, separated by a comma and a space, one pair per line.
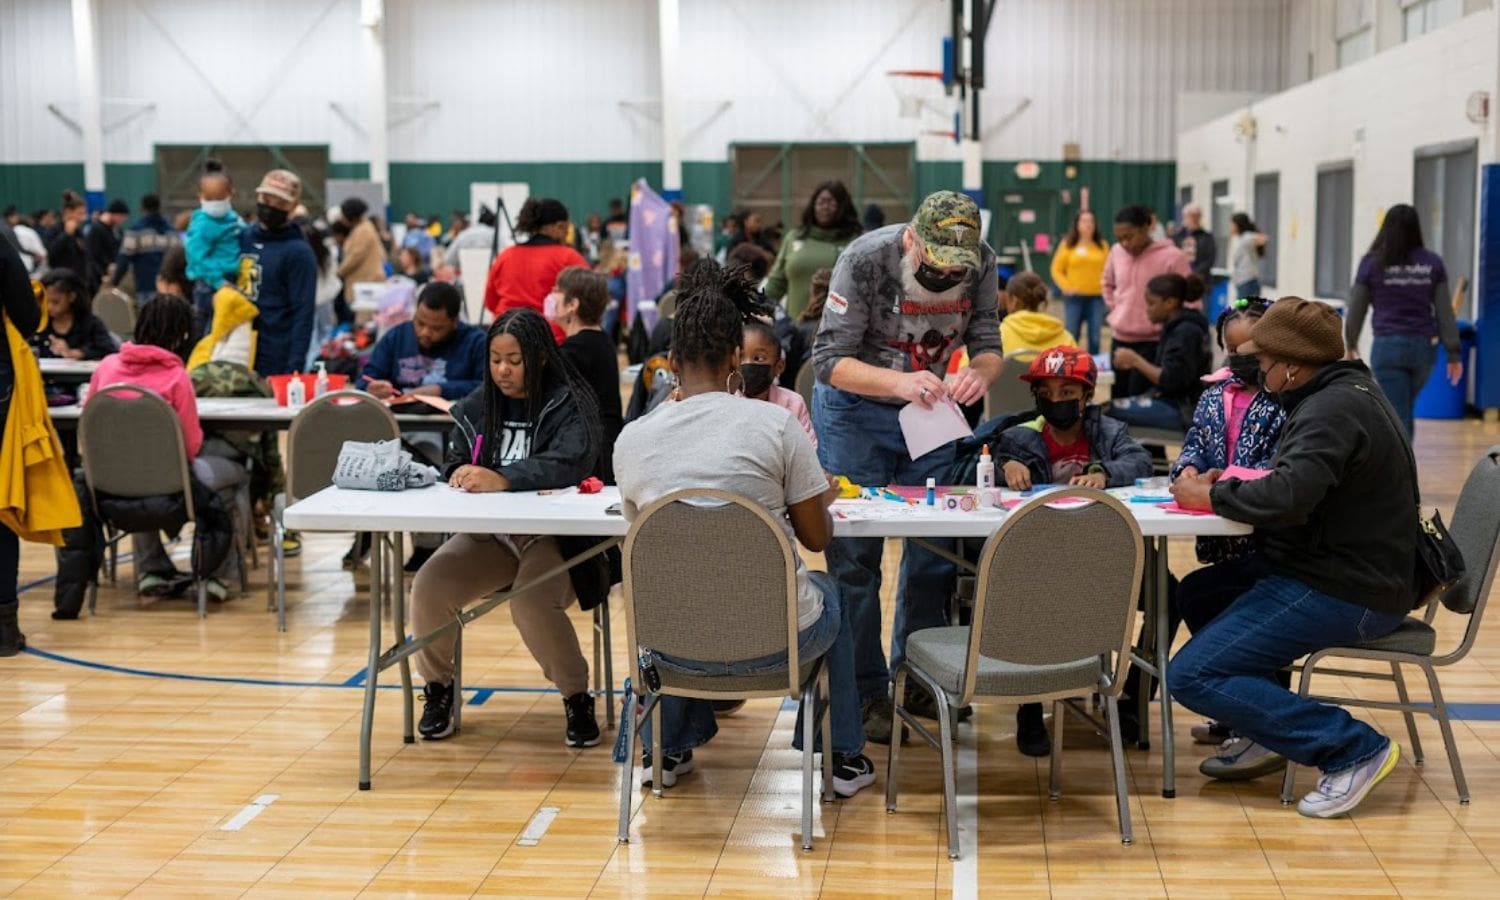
1339, 792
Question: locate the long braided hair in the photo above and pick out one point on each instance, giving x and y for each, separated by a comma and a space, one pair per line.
166, 321
546, 367
713, 305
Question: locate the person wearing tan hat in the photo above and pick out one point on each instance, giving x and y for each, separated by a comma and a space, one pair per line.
903, 300
1336, 526
279, 274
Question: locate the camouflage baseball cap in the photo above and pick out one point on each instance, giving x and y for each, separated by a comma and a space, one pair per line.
948, 224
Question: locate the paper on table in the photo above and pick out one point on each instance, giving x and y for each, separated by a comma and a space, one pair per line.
1182, 510
442, 404
1243, 473
926, 429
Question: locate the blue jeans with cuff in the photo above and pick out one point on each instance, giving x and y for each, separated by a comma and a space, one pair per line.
1227, 672
688, 722
1081, 308
1401, 364
1147, 412
861, 439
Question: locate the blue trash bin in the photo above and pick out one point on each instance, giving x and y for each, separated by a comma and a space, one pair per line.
1439, 399
1218, 298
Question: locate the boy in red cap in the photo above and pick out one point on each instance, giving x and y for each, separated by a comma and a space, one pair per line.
1070, 442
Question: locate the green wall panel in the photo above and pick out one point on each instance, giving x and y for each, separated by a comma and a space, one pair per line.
583, 187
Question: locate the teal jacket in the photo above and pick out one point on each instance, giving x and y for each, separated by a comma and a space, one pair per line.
213, 248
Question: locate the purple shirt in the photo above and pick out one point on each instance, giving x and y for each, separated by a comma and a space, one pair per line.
1402, 295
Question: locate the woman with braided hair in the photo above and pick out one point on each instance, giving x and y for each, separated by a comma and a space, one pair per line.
710, 436
532, 425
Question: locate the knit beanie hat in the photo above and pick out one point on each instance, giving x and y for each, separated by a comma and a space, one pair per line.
1298, 330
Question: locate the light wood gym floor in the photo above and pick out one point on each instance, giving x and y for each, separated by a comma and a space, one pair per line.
128, 741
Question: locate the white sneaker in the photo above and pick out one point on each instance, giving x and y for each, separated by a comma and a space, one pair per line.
673, 766
1241, 759
1339, 792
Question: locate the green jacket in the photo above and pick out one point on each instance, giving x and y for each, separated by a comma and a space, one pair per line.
799, 258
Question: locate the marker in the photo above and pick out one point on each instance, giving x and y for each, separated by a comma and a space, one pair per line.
1145, 499
478, 442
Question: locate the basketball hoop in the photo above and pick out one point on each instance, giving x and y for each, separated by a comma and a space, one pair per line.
915, 90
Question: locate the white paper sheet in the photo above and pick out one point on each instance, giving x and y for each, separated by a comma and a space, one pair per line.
926, 430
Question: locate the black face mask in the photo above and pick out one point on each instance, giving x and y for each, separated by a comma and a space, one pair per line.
1060, 414
757, 378
937, 280
1246, 368
270, 216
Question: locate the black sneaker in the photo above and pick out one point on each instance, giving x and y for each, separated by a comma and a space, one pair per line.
726, 707
876, 713
851, 773
437, 712
673, 766
920, 702
12, 641
358, 551
583, 728
1032, 738
418, 556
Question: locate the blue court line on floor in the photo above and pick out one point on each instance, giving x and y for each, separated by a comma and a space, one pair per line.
1474, 712
479, 694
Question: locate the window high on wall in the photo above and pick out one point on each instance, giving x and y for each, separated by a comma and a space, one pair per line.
1354, 30
1418, 17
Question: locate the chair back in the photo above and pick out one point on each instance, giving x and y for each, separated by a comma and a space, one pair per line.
1009, 394
116, 310
710, 577
132, 446
318, 434
666, 307
806, 378
1476, 529
1057, 585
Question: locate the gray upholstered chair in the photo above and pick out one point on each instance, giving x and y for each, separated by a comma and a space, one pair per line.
117, 311
806, 378
1009, 394
1476, 529
317, 435
132, 446
1054, 612
711, 577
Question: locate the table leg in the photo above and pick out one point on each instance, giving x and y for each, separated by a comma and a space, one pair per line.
398, 617
1163, 650
372, 668
1147, 647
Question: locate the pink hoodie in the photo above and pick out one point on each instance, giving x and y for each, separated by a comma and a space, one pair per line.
162, 371
1124, 284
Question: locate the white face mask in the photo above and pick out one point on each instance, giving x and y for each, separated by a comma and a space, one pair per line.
215, 208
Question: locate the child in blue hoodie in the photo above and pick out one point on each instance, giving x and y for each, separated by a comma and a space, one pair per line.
213, 240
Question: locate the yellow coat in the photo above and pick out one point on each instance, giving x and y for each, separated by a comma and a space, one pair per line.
36, 490
230, 338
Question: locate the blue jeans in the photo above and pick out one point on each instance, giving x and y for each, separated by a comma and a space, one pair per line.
203, 307
1077, 308
1249, 288
1401, 364
1227, 672
861, 439
687, 722
1147, 412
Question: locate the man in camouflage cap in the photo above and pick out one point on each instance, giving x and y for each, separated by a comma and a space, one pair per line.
903, 300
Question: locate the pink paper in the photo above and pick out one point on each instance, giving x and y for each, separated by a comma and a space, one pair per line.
928, 428
1183, 511
1243, 473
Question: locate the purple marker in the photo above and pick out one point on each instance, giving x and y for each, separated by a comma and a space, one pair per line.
478, 443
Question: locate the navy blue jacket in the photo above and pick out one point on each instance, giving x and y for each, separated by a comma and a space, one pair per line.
458, 365
146, 243
280, 276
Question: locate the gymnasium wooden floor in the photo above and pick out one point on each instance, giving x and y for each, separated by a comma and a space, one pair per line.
130, 740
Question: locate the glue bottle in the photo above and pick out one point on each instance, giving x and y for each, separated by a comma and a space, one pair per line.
296, 392
985, 476
932, 492
320, 387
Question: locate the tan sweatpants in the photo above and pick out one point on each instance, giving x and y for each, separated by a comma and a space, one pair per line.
469, 567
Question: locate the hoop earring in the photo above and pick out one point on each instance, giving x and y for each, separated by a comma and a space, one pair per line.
676, 393
730, 377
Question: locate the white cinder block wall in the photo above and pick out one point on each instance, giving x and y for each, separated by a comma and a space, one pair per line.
1376, 113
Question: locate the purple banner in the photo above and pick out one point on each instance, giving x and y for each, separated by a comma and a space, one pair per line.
653, 252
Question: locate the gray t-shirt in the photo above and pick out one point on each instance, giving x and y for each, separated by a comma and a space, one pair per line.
1244, 261
727, 443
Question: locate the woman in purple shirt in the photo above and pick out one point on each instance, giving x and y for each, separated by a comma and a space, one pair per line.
1408, 286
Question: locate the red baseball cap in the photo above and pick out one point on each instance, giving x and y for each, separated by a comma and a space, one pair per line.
1067, 363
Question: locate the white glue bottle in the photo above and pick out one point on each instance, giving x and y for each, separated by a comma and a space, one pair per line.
320, 387
985, 474
296, 392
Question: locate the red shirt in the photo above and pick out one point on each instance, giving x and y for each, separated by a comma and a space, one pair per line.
523, 275
1069, 460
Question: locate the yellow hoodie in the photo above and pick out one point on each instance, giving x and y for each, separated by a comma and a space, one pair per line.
230, 338
37, 500
1030, 330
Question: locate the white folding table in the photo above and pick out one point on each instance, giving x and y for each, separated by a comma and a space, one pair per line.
568, 513
256, 414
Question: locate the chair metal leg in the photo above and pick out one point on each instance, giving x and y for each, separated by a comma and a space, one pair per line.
950, 767
202, 585
114, 556
372, 680
1440, 709
1117, 756
1411, 720
280, 549
604, 663
93, 594
893, 752
1164, 650
273, 562
1289, 780
627, 774
458, 680
825, 722
809, 725
1054, 785
398, 618
656, 755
